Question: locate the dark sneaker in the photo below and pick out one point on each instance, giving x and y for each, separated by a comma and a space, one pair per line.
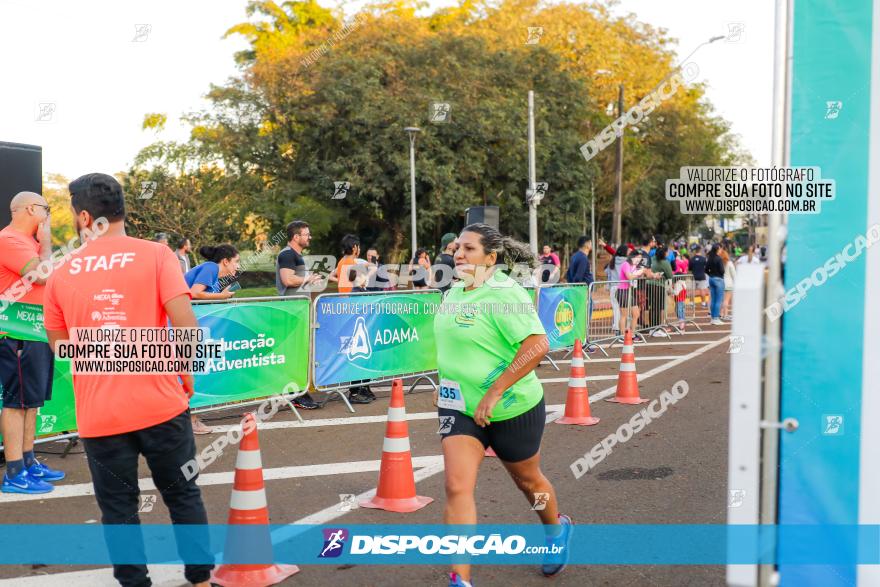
305, 402
368, 393
355, 397
554, 563
44, 473
24, 483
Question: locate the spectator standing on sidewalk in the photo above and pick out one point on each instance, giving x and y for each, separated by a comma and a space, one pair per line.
184, 246
291, 277
701, 281
26, 365
613, 275
442, 278
729, 278
548, 258
715, 271
657, 289
579, 270
351, 280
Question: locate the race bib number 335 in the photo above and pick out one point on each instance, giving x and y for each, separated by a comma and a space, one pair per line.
450, 396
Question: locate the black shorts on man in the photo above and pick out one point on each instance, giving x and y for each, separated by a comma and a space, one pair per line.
26, 370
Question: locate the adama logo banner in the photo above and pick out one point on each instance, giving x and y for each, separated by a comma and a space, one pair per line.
374, 336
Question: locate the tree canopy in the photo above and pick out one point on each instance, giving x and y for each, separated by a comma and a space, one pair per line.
324, 99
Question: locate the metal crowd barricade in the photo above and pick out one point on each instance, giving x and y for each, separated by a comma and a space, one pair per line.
689, 303
339, 388
288, 397
651, 298
604, 320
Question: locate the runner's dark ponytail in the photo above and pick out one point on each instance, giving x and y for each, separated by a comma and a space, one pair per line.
218, 253
510, 251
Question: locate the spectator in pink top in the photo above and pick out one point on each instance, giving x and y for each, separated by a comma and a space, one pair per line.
628, 270
681, 265
548, 257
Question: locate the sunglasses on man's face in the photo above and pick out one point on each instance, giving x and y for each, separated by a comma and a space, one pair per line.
48, 209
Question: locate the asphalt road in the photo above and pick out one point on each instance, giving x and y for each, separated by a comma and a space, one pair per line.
672, 472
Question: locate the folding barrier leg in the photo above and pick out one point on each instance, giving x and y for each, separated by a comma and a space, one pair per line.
293, 408
345, 399
552, 362
591, 347
413, 385
71, 442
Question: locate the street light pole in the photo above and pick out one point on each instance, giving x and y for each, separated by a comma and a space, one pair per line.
533, 204
412, 130
617, 231
616, 228
593, 225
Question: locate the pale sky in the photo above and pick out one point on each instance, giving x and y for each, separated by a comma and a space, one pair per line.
82, 57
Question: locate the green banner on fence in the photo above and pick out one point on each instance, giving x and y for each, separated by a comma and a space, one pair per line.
563, 313
266, 350
22, 321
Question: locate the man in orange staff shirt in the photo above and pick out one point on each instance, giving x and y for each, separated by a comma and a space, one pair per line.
123, 416
26, 366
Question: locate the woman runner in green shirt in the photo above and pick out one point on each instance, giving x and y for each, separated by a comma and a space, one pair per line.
489, 341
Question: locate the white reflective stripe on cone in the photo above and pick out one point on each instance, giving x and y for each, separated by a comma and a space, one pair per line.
627, 366
627, 348
248, 459
247, 500
395, 444
577, 382
397, 414
577, 362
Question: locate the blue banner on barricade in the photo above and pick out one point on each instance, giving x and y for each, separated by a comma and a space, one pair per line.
373, 336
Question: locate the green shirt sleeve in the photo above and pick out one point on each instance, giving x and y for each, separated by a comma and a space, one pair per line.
662, 267
516, 318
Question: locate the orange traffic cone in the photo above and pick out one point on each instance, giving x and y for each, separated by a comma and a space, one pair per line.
577, 404
248, 506
397, 485
627, 379
490, 452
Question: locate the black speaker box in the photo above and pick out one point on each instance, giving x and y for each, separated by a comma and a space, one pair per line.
21, 170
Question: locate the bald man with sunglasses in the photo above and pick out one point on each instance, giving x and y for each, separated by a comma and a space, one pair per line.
26, 366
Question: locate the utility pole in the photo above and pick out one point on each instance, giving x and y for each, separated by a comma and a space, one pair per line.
533, 201
412, 131
617, 230
593, 225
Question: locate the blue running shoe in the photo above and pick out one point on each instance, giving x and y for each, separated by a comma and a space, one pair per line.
554, 563
24, 483
44, 472
455, 580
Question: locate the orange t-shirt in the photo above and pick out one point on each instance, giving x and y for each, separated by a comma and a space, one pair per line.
345, 275
16, 249
124, 281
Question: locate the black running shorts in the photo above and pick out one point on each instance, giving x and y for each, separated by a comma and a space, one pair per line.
26, 368
513, 440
